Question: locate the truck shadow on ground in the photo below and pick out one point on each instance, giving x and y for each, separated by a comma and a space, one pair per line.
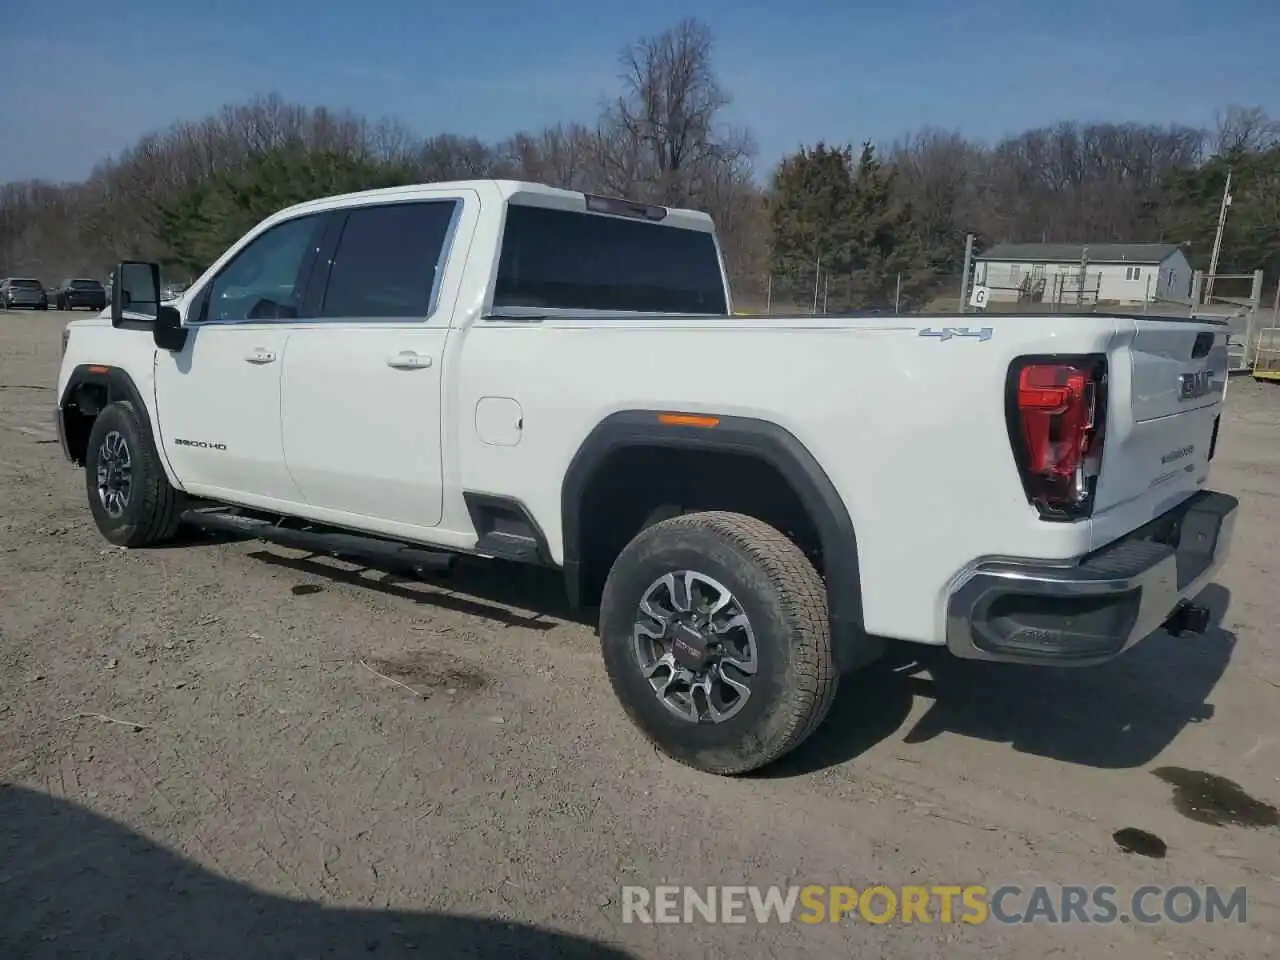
74, 883
1120, 714
1117, 715
482, 588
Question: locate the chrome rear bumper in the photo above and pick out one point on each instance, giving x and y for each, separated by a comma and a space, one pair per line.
1088, 610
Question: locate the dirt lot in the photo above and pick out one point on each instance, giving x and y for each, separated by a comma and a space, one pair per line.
282, 799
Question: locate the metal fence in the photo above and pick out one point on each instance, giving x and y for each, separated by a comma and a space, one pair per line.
946, 288
1237, 299
818, 291
1073, 288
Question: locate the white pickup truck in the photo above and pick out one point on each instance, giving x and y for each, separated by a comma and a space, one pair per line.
754, 503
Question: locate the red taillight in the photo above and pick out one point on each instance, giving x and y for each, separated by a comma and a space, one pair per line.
1055, 425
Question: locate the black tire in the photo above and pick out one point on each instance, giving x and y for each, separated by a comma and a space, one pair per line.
785, 600
151, 508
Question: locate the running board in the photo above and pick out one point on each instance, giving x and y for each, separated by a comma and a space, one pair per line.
324, 540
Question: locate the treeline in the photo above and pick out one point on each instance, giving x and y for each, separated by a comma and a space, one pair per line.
872, 224
891, 224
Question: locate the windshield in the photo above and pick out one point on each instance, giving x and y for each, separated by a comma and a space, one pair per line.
25, 284
86, 285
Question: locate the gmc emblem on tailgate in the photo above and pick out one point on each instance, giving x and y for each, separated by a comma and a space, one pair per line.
1192, 385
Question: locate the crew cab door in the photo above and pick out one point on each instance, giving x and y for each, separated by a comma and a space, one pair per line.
219, 397
362, 383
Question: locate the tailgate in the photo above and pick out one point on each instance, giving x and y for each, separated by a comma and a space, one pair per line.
1167, 381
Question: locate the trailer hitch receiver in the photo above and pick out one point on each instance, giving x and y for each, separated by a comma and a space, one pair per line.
1188, 618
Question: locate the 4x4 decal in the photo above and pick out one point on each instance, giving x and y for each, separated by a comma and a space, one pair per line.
982, 334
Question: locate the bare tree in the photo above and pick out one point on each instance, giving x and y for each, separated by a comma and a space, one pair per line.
939, 174
1081, 182
1240, 129
565, 155
662, 135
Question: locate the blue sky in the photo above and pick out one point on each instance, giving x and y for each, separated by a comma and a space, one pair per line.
81, 79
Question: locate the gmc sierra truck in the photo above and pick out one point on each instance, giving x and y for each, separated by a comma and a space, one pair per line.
754, 504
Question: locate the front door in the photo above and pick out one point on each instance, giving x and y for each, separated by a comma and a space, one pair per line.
362, 384
219, 397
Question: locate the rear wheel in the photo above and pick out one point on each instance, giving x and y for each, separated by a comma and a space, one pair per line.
716, 639
132, 502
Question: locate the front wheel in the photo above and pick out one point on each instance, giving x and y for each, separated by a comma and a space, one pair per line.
130, 497
716, 639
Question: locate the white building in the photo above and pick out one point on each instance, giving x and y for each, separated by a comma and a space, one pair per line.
1085, 273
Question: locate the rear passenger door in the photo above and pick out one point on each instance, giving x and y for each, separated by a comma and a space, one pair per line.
362, 382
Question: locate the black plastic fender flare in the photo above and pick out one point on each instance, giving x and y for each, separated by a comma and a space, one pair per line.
778, 447
119, 386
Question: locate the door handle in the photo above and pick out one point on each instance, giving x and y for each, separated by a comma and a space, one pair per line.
259, 355
408, 360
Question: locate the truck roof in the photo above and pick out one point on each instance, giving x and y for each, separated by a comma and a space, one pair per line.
518, 191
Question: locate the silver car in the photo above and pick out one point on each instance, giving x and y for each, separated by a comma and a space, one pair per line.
23, 292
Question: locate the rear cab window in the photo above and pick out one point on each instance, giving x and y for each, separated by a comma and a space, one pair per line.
561, 259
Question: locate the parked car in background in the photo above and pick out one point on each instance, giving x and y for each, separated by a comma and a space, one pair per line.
81, 293
23, 292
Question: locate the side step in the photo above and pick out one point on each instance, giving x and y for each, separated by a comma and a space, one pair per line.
321, 540
509, 545
506, 530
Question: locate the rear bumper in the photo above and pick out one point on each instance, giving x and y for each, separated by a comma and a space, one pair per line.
1095, 607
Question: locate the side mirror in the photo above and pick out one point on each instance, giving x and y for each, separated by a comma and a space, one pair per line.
135, 300
168, 332
135, 293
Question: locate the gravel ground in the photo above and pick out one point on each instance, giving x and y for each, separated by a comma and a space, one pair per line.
320, 759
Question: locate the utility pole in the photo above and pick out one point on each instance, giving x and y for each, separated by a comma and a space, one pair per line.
964, 274
817, 275
1084, 272
1217, 239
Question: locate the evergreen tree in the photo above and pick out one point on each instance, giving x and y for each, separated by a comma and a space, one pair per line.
811, 192
885, 246
839, 229
1252, 235
209, 217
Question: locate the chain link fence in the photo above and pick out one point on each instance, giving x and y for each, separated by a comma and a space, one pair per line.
1012, 288
818, 291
